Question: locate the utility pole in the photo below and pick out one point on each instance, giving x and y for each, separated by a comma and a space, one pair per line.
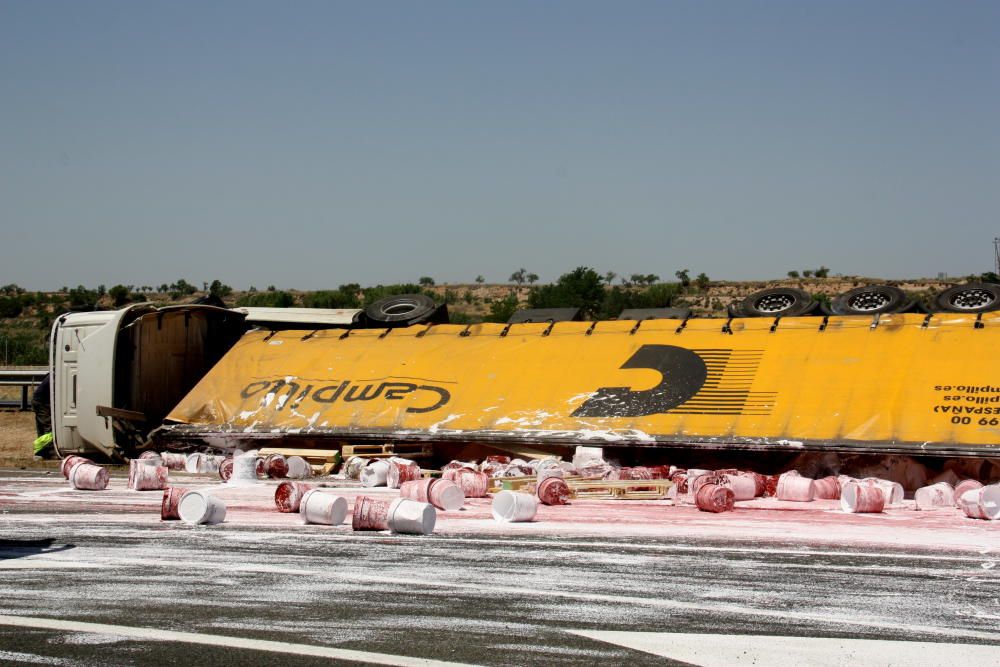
996, 255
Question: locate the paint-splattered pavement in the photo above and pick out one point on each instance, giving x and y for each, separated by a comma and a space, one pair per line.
597, 582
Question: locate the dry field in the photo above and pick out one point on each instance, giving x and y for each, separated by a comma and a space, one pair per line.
17, 433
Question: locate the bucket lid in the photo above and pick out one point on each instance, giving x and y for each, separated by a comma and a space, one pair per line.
449, 496
193, 507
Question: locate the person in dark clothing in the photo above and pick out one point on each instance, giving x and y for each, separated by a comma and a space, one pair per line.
40, 403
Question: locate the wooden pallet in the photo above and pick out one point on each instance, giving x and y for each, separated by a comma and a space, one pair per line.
526, 483
626, 489
322, 461
402, 450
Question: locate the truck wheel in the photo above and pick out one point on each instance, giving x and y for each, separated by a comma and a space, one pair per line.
778, 302
401, 310
971, 298
871, 300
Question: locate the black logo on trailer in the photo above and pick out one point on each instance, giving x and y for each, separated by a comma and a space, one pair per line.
293, 393
703, 381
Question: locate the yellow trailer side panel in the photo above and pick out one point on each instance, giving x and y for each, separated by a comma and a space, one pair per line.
911, 380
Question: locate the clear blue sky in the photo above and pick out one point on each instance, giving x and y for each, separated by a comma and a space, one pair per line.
308, 144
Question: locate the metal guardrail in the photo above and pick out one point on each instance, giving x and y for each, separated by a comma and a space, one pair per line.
25, 377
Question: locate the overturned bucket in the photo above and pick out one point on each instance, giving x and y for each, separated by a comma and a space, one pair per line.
859, 498
89, 477
288, 495
473, 483
202, 463
827, 488
375, 474
744, 487
323, 508
553, 491
276, 466
982, 503
714, 498
411, 517
795, 488
69, 462
150, 455
143, 477
934, 496
226, 470
244, 470
173, 460
513, 507
201, 507
964, 487
893, 491
370, 514
298, 468
353, 467
171, 499
399, 471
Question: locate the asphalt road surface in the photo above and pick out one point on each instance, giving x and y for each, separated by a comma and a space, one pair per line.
114, 588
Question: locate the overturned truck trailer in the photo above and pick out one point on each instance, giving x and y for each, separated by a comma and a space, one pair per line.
195, 376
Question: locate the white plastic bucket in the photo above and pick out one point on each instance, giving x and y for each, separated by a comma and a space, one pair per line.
983, 503
893, 491
298, 468
244, 470
202, 463
795, 488
201, 507
375, 474
742, 486
411, 517
323, 508
511, 506
935, 496
89, 477
858, 498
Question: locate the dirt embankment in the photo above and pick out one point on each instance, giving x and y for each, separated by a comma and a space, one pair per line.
17, 433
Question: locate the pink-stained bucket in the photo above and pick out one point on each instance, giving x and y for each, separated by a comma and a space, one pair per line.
893, 491
553, 491
744, 487
143, 477
226, 470
446, 495
173, 460
491, 468
934, 496
89, 477
418, 489
859, 498
150, 455
795, 488
171, 499
714, 498
323, 508
370, 514
288, 496
69, 462
275, 466
827, 488
473, 483
982, 503
964, 487
401, 470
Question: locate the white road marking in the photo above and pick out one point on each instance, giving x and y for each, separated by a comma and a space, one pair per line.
501, 591
156, 634
708, 650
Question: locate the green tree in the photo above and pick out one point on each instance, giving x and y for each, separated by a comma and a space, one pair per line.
120, 295
609, 278
219, 289
519, 276
502, 309
581, 288
426, 281
684, 277
480, 280
822, 272
532, 278
271, 299
807, 273
702, 281
793, 274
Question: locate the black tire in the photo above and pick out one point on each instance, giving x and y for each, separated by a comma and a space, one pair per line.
401, 310
871, 300
778, 302
971, 298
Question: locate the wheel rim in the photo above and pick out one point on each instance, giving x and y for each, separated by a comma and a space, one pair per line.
973, 299
869, 301
397, 309
774, 303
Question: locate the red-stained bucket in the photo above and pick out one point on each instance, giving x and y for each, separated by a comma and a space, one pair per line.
70, 461
145, 477
795, 488
858, 498
934, 496
714, 498
226, 470
275, 466
473, 483
150, 455
962, 487
982, 503
89, 477
370, 514
401, 470
171, 499
418, 489
827, 488
173, 460
553, 491
288, 495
